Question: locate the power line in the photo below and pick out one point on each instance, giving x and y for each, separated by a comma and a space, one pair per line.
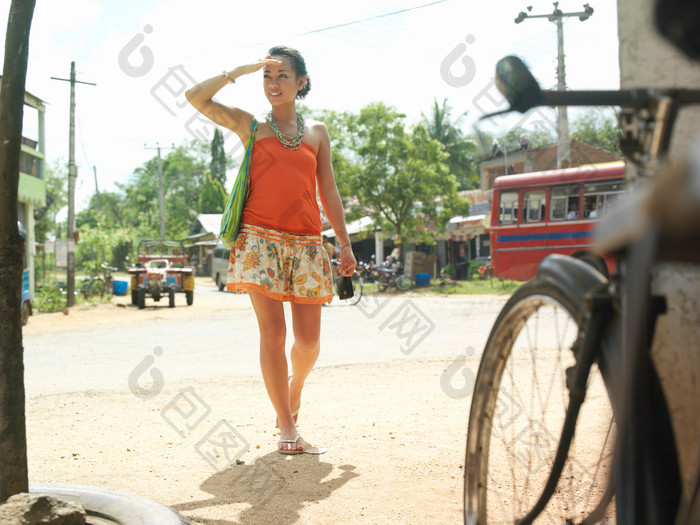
369, 19
360, 21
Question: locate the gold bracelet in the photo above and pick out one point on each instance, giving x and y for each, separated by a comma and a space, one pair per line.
228, 78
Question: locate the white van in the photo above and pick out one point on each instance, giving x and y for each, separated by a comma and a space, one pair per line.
219, 265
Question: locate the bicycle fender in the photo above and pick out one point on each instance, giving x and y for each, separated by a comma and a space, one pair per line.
573, 276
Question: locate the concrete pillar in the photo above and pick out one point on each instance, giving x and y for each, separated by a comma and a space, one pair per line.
378, 247
648, 60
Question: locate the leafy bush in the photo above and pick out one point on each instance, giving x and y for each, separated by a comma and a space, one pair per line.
49, 299
473, 272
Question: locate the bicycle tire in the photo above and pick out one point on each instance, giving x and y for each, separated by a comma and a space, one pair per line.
141, 296
97, 287
510, 450
404, 283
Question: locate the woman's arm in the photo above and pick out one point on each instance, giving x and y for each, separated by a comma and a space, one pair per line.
331, 201
235, 119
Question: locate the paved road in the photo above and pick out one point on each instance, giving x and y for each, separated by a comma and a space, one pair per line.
218, 337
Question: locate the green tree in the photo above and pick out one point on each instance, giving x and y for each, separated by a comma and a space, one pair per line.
56, 178
219, 159
401, 178
463, 152
343, 158
213, 197
510, 141
141, 198
598, 128
183, 177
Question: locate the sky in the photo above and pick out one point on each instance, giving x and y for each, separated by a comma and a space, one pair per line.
143, 54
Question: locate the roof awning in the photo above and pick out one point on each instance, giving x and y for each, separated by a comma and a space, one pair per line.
471, 221
353, 227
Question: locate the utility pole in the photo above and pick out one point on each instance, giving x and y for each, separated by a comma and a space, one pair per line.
557, 16
99, 208
72, 174
97, 191
160, 190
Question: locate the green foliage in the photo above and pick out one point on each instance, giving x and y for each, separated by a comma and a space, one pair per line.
98, 245
219, 159
448, 271
49, 299
397, 176
463, 153
473, 270
511, 140
476, 287
56, 178
213, 197
598, 128
183, 177
342, 157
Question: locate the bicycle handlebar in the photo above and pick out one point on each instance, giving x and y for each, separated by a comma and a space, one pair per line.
630, 98
523, 92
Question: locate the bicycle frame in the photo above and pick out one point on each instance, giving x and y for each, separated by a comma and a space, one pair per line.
648, 486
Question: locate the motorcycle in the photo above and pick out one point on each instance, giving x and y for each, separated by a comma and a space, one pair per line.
390, 273
366, 270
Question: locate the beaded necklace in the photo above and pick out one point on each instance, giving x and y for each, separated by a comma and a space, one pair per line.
291, 143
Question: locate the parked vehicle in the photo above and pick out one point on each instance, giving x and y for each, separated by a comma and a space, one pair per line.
219, 265
390, 273
537, 214
366, 270
161, 270
27, 299
97, 285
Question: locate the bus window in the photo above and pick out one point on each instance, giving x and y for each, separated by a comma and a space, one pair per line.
508, 207
564, 200
534, 205
600, 196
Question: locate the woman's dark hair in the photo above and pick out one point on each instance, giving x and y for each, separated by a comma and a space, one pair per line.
297, 63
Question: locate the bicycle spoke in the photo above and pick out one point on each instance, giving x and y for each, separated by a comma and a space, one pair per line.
531, 397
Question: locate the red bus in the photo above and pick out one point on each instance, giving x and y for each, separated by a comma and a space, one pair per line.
536, 214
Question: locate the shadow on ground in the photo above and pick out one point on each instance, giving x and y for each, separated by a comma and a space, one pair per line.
275, 486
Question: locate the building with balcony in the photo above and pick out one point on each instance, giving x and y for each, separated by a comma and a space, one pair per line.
31, 193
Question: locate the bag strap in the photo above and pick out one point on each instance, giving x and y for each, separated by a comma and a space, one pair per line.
253, 129
251, 139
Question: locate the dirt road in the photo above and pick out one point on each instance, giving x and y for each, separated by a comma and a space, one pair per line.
175, 409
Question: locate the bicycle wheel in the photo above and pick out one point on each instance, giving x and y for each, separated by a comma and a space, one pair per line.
404, 283
517, 414
97, 287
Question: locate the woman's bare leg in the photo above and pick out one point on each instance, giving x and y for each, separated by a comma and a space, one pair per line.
273, 362
306, 324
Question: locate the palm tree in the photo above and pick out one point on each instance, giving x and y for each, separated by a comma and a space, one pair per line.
464, 154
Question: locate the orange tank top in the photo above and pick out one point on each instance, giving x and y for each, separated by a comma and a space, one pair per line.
282, 193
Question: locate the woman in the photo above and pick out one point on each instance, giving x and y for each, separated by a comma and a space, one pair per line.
279, 255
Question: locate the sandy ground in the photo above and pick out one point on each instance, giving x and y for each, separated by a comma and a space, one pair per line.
395, 440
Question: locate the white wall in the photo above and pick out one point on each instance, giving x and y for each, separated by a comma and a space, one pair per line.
648, 60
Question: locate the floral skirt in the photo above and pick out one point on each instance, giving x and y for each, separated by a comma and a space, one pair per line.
280, 265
